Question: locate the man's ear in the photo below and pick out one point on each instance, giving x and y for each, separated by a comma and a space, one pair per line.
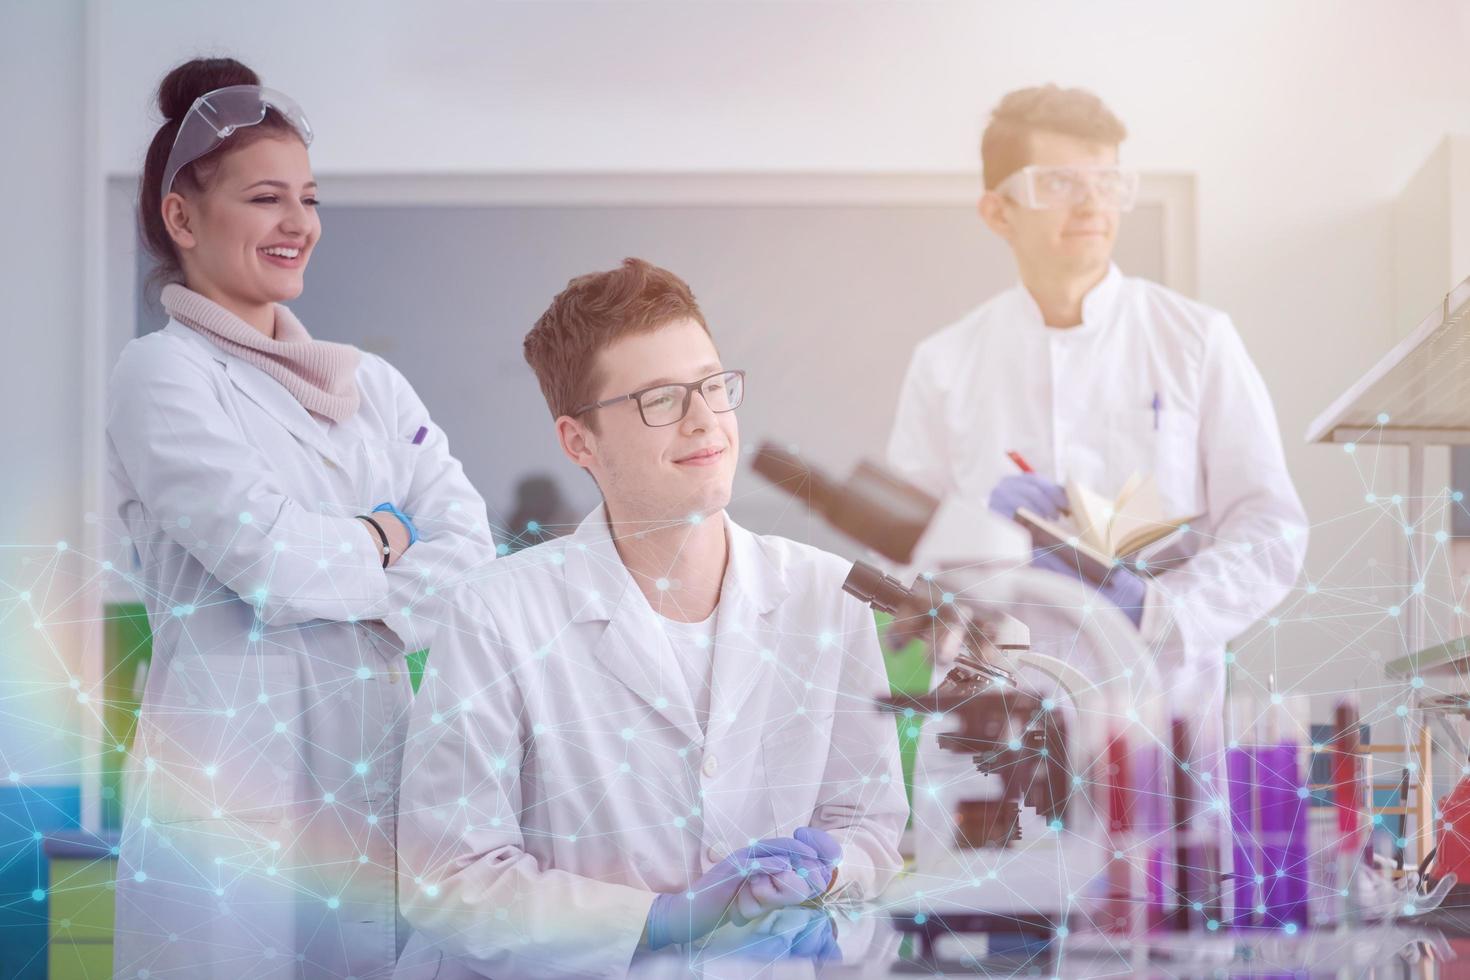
577, 441
176, 219
992, 210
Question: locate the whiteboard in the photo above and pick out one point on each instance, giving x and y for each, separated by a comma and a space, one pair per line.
818, 287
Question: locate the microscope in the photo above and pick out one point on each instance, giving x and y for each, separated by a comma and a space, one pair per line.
1042, 806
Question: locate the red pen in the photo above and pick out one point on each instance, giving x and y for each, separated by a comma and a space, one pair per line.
1020, 461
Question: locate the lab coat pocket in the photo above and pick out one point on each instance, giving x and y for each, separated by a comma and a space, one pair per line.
794, 751
1164, 444
386, 473
218, 743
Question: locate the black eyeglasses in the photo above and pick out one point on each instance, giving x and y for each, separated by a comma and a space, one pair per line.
668, 403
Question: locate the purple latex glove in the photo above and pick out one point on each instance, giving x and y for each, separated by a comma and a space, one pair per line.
810, 934
749, 883
1036, 493
1123, 588
817, 940
828, 851
786, 934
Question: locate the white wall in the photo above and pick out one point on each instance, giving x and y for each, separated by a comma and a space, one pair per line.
1302, 120
1424, 259
41, 455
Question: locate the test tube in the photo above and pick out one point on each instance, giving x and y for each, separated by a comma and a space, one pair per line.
1196, 861
1282, 802
1349, 798
1242, 892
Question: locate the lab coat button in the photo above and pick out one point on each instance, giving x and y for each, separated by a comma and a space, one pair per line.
711, 766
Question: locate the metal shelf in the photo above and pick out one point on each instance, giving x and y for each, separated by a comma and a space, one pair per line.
1418, 393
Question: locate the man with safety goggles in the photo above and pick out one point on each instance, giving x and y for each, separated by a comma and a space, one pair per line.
1082, 374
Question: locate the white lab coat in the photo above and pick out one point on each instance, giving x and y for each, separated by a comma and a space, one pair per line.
1078, 403
261, 796
556, 777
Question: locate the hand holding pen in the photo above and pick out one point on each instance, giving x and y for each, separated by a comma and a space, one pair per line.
1027, 489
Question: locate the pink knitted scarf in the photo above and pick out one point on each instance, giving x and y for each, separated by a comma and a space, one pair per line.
321, 375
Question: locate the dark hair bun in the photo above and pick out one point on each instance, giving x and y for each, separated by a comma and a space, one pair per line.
180, 87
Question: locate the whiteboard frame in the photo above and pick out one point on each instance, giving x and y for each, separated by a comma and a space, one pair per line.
1174, 193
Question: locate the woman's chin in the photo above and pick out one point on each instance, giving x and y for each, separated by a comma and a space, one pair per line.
283, 289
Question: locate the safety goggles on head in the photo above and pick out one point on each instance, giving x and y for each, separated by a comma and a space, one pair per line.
668, 403
1043, 188
214, 117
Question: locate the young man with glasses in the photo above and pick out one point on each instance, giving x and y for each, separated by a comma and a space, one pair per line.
1089, 375
662, 723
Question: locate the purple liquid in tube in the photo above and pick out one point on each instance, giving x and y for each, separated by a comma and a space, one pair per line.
1243, 894
1283, 834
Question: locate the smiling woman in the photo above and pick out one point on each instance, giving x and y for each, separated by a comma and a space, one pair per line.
238, 224
299, 526
207, 103
259, 233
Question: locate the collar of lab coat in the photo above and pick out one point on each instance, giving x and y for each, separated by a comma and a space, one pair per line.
266, 392
595, 570
1099, 307
634, 647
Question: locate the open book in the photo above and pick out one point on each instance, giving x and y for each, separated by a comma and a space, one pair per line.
1103, 531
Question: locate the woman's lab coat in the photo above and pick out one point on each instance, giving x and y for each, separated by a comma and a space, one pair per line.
1151, 383
261, 794
556, 776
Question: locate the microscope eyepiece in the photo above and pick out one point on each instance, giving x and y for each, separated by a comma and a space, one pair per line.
883, 592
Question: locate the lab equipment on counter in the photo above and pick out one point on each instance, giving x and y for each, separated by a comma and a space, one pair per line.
1050, 812
1295, 865
1077, 801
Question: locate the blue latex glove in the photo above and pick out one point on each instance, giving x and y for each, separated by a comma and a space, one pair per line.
814, 855
816, 940
1036, 493
1123, 588
749, 883
809, 934
786, 934
828, 850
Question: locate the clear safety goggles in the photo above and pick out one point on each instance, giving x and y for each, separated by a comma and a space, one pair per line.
1044, 188
215, 116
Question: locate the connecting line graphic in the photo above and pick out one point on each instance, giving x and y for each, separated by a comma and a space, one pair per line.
63, 724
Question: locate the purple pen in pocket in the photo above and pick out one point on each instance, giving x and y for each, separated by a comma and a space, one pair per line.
418, 437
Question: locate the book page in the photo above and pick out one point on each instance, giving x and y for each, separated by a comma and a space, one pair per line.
1130, 486
1141, 513
1093, 515
1141, 522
